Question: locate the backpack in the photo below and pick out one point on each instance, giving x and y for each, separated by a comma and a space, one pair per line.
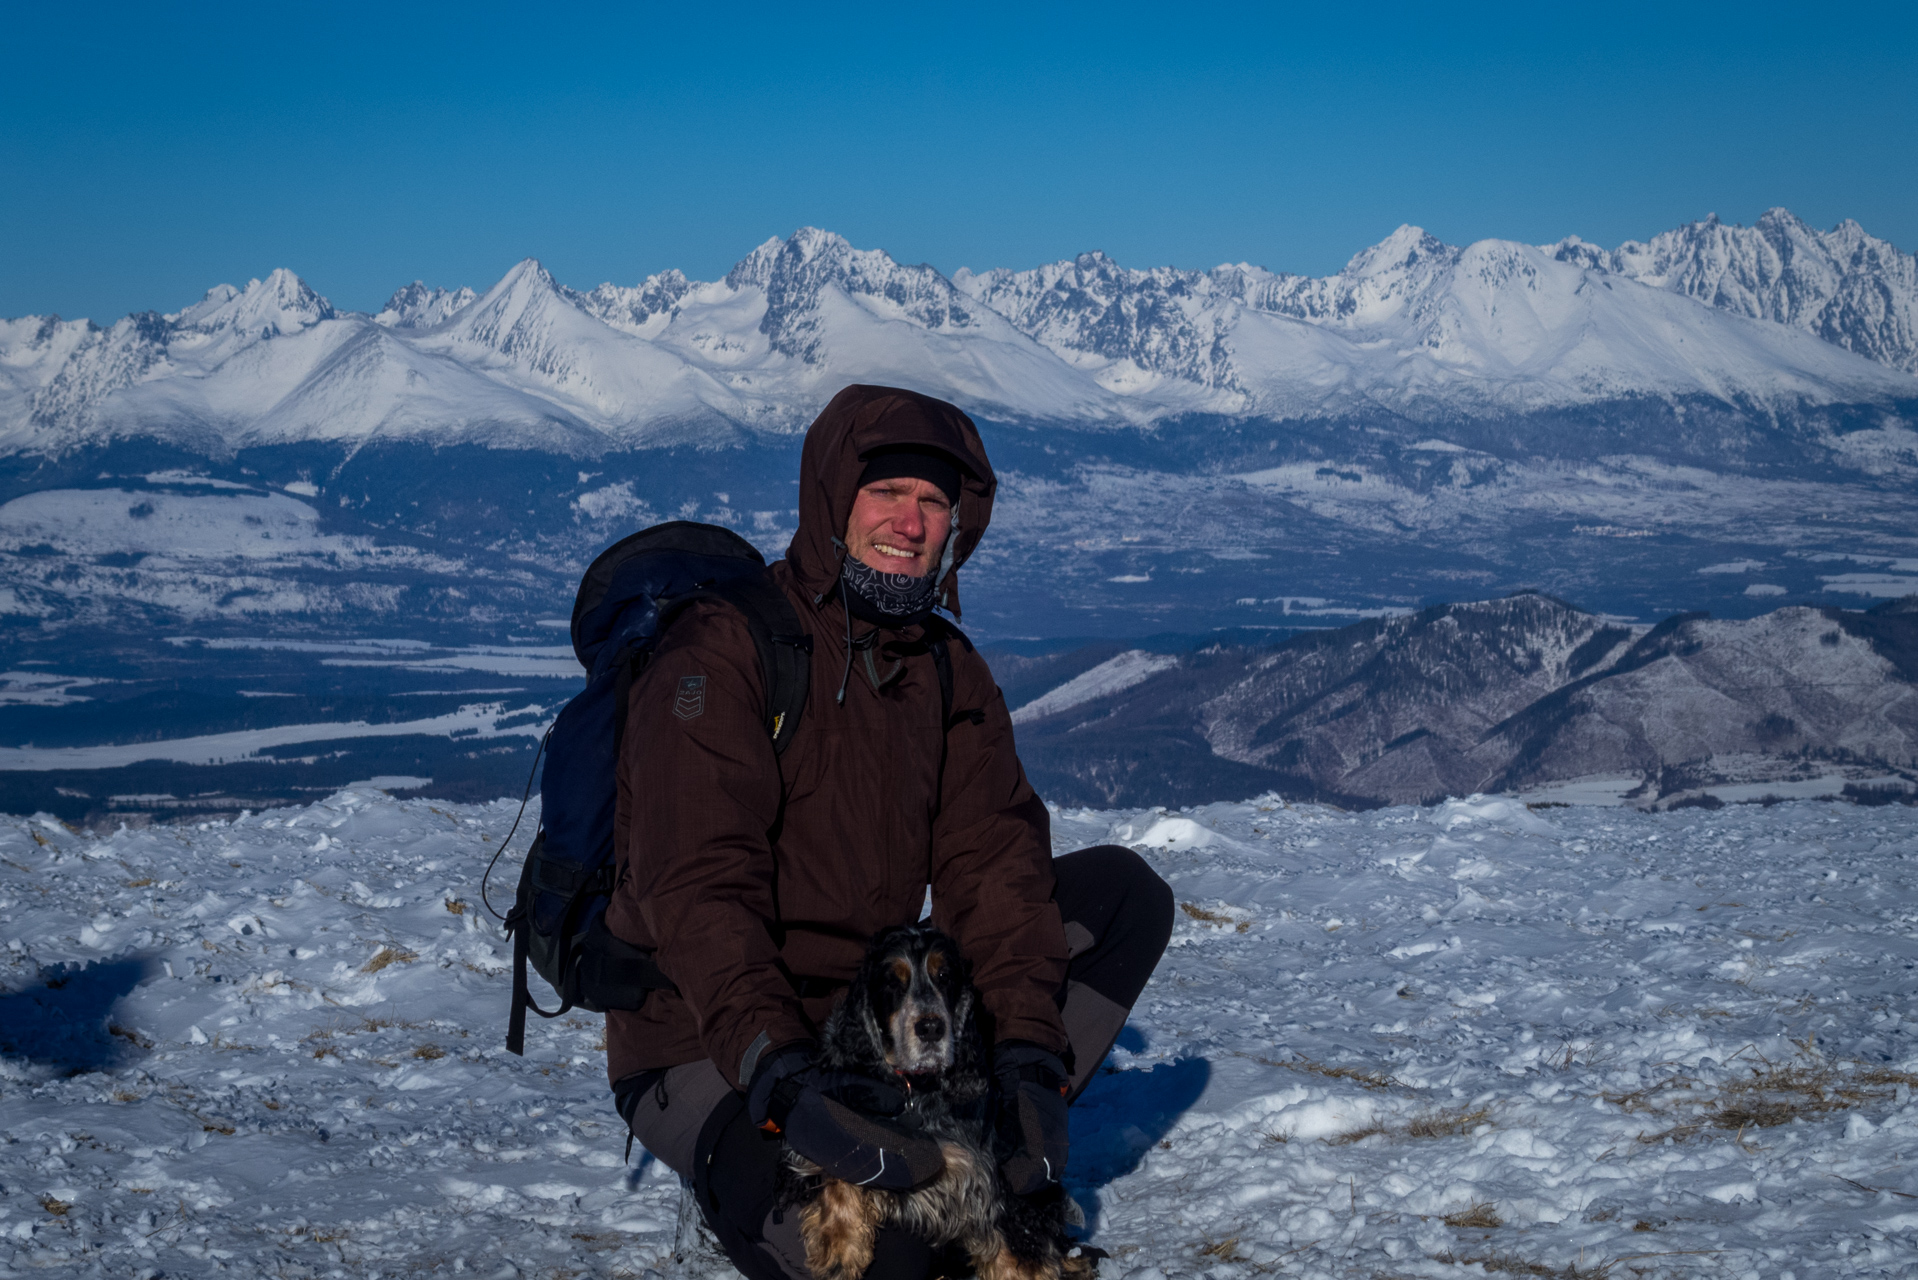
629, 596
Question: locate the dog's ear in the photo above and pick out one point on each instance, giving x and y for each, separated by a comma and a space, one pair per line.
962, 1001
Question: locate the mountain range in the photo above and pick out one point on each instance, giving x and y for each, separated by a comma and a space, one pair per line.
1773, 320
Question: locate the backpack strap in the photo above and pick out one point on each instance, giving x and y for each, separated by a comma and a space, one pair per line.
785, 650
939, 637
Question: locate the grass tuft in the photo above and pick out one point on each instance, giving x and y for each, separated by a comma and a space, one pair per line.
386, 956
1446, 1123
1199, 913
1479, 1216
1357, 1075
1226, 1250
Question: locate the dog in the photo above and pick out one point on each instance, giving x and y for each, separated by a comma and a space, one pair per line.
909, 1018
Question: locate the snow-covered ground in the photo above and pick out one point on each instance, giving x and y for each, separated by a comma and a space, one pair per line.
1413, 1042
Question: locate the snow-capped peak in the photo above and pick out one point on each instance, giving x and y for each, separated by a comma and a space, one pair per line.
1405, 250
278, 305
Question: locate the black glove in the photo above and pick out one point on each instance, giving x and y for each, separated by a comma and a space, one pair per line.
835, 1119
1029, 1121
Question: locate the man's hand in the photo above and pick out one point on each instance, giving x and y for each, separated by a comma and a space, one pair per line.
1029, 1122
837, 1120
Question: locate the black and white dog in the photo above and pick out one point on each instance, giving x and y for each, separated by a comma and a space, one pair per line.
909, 1019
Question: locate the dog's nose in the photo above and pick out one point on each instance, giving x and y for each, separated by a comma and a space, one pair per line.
929, 1028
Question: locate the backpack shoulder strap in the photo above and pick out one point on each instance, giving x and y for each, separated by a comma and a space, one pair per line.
785, 651
939, 637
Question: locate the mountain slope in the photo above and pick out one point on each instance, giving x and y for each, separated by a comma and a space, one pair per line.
1499, 695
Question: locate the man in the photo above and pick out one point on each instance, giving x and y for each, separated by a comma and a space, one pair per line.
759, 877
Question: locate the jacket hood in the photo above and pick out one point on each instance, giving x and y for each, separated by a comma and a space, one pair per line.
859, 420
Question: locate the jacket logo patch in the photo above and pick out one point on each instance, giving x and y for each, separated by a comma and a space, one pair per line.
690, 700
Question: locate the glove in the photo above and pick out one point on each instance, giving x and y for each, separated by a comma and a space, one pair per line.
1029, 1123
837, 1120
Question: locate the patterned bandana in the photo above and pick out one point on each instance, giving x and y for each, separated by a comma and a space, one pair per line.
888, 597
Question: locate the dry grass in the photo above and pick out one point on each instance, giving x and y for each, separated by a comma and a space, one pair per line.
1278, 1137
141, 883
428, 1052
1768, 1095
1357, 1075
1199, 913
456, 906
386, 956
58, 1208
1448, 1123
1444, 1123
1478, 1217
1512, 1264
1226, 1250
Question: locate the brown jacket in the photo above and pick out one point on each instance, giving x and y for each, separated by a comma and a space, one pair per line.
738, 892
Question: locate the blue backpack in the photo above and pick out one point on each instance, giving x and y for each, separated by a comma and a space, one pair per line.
628, 598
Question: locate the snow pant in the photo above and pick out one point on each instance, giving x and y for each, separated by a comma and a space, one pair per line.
1118, 918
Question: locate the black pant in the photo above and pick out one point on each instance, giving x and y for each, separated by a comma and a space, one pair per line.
1118, 918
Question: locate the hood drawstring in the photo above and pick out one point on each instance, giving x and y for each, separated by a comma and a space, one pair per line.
945, 558
839, 569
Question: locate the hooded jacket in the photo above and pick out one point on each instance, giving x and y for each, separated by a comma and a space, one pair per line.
759, 877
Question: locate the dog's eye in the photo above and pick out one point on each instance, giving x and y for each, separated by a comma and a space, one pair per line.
902, 972
936, 964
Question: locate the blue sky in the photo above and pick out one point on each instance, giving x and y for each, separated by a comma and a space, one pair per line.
148, 152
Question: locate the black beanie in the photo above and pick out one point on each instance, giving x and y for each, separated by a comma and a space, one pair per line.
910, 460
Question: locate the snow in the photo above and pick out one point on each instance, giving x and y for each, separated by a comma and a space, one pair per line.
478, 720
1134, 666
41, 689
1543, 1019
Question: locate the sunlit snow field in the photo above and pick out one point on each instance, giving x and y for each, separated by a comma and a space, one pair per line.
1414, 1042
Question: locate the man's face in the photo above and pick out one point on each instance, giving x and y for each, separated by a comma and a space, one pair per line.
899, 526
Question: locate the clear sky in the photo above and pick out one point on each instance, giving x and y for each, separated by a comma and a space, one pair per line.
150, 151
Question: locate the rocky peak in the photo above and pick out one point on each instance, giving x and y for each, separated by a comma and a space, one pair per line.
795, 274
631, 308
415, 306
